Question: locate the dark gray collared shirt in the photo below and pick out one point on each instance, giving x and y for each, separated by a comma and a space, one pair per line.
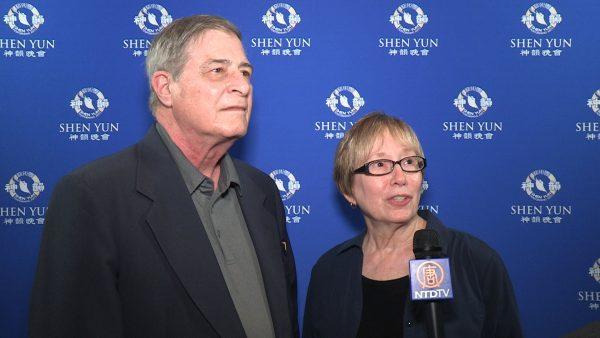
224, 223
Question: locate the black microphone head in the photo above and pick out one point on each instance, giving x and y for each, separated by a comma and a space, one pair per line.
426, 244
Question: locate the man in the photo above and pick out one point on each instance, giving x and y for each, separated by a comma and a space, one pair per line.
172, 237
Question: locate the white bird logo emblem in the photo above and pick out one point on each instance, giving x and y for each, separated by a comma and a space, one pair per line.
23, 187
344, 101
408, 18
471, 101
88, 103
539, 18
539, 185
23, 19
280, 18
279, 184
152, 19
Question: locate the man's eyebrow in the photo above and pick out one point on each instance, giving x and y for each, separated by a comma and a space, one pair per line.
227, 62
221, 61
246, 65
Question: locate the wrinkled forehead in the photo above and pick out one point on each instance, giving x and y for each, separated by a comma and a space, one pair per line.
214, 42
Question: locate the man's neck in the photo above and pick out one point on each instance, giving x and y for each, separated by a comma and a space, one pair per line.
205, 153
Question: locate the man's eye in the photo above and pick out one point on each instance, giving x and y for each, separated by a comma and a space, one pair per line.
379, 164
246, 73
218, 70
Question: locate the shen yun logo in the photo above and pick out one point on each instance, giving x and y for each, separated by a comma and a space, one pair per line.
593, 297
591, 129
434, 208
281, 18
541, 18
424, 186
472, 102
24, 186
541, 185
89, 103
595, 270
594, 102
409, 18
285, 182
152, 18
288, 185
23, 19
341, 105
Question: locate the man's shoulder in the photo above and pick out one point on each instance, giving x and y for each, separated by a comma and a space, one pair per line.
106, 180
108, 169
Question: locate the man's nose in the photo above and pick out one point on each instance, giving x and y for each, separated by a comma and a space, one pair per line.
238, 82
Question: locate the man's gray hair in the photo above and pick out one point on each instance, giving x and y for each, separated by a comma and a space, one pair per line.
169, 47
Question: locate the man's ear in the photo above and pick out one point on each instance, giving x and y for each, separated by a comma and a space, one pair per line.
161, 84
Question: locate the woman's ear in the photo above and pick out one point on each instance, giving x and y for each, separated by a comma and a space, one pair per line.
351, 200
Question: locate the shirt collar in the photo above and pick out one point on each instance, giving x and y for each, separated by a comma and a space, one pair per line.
432, 223
192, 177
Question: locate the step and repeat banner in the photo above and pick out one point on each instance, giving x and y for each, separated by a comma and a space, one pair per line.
505, 97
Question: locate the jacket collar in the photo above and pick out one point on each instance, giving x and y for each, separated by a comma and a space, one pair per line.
176, 226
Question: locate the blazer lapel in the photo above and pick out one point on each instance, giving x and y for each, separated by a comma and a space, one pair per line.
263, 229
176, 225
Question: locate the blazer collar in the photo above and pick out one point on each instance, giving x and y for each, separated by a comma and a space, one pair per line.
178, 230
176, 225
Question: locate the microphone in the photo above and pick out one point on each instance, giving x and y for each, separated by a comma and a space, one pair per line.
430, 278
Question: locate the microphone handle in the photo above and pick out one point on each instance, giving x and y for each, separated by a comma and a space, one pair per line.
432, 310
433, 322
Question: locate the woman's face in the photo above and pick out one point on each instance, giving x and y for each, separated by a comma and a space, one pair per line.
392, 198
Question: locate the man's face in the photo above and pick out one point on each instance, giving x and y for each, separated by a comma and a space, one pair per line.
212, 98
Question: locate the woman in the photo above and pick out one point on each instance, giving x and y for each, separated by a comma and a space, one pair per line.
360, 288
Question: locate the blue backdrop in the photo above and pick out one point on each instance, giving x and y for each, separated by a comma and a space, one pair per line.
505, 97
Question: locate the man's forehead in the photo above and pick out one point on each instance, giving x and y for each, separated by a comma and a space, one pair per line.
213, 38
216, 49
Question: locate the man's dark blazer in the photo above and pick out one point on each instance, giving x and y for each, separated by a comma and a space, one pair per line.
124, 253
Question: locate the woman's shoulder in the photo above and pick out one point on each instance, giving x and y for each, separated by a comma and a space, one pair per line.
464, 247
468, 242
458, 243
342, 254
